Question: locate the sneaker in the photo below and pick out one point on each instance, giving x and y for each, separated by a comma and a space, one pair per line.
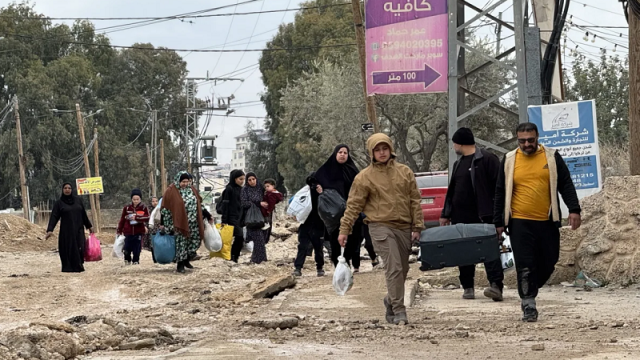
469, 294
389, 315
266, 226
297, 272
356, 270
320, 273
401, 318
135, 263
494, 292
530, 314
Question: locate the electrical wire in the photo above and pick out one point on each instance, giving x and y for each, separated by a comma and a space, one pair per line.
178, 17
551, 51
227, 37
193, 50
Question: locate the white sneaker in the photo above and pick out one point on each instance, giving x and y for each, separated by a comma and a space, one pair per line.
266, 226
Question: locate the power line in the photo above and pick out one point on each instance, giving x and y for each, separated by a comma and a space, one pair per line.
178, 17
227, 38
192, 50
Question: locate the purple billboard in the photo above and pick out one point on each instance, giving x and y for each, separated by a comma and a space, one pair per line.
407, 47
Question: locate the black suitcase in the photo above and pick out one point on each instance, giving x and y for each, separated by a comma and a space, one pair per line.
458, 245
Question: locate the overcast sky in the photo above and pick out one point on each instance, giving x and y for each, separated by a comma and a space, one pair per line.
242, 32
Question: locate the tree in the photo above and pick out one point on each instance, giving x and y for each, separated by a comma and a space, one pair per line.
315, 33
606, 82
325, 108
54, 66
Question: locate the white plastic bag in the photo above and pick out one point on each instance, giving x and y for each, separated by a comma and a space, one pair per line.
342, 277
118, 246
155, 214
300, 205
212, 238
247, 247
506, 255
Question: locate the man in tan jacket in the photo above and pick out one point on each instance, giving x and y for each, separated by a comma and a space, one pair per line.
387, 193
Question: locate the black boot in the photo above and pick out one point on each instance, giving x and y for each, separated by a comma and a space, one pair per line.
234, 258
187, 264
180, 267
529, 310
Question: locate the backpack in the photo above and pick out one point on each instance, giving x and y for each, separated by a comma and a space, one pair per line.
218, 202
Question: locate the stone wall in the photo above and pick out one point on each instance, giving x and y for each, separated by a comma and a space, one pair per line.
606, 246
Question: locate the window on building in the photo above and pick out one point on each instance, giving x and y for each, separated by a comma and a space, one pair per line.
240, 155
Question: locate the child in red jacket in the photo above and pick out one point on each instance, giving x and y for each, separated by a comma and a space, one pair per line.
270, 199
132, 225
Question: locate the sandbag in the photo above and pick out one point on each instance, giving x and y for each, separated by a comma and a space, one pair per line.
226, 233
118, 247
300, 204
506, 256
253, 218
92, 250
342, 277
212, 238
164, 248
331, 207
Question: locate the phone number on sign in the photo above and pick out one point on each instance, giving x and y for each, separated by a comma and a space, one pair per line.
412, 44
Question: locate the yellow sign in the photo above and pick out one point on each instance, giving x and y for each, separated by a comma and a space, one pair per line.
90, 186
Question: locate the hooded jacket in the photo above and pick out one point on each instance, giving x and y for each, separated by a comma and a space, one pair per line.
141, 214
386, 192
232, 201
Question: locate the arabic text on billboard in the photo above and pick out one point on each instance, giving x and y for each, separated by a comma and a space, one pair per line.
406, 42
89, 186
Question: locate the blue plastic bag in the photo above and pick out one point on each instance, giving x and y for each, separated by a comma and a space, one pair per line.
164, 248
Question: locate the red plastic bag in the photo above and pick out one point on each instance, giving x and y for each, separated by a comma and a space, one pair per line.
92, 250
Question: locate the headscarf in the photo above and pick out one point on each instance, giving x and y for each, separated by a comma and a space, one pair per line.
67, 199
233, 176
172, 201
333, 175
252, 174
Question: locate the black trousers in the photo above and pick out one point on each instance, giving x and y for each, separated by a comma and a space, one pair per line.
132, 245
368, 244
536, 250
238, 242
310, 236
351, 250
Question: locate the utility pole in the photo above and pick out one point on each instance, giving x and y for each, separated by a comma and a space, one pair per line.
634, 93
369, 100
152, 186
87, 170
24, 190
96, 164
162, 169
155, 151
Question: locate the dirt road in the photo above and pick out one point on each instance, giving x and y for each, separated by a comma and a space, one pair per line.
204, 312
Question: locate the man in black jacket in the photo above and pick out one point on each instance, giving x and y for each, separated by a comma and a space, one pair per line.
528, 206
470, 201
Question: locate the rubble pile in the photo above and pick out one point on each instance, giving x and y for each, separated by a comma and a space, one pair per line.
18, 234
79, 336
606, 246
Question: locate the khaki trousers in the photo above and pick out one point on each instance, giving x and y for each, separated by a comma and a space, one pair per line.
394, 247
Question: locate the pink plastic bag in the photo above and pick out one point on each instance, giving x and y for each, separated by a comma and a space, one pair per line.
92, 250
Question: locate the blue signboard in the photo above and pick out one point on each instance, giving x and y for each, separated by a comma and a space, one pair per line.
572, 129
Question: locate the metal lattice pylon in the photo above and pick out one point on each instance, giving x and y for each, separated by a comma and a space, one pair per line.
457, 26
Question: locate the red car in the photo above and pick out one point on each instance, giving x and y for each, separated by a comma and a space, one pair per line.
433, 190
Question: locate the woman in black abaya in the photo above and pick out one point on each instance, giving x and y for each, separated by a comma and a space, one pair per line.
338, 173
73, 218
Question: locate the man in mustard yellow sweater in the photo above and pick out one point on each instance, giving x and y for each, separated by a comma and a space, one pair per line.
527, 208
386, 191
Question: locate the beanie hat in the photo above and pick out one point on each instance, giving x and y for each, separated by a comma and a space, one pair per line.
135, 192
463, 136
